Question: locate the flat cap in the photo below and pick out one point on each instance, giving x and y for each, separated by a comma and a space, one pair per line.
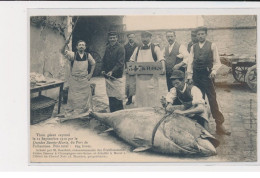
202, 28
146, 33
112, 33
177, 74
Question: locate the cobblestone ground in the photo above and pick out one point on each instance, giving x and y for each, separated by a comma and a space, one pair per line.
237, 103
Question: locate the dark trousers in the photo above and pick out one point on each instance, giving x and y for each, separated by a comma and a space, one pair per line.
168, 81
202, 80
115, 104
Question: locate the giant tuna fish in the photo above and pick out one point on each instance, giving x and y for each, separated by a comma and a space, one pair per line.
152, 129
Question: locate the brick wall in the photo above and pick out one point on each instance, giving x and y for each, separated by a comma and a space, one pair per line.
229, 41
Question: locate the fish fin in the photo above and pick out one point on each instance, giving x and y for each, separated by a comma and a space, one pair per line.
139, 140
108, 130
211, 138
142, 148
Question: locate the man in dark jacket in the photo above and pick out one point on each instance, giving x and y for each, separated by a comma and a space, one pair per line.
193, 41
202, 68
130, 80
113, 67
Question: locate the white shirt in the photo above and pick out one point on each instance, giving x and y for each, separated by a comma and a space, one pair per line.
156, 50
216, 60
183, 53
70, 56
195, 93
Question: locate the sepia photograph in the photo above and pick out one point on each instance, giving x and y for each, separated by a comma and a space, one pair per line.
142, 88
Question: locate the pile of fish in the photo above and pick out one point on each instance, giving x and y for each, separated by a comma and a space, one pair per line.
152, 129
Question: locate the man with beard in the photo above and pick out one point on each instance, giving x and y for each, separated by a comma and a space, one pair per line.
130, 79
79, 96
175, 55
193, 41
202, 68
112, 69
147, 85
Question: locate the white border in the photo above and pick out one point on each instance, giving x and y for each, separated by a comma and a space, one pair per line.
14, 128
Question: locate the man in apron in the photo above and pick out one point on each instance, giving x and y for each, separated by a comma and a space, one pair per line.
147, 86
80, 96
112, 69
193, 104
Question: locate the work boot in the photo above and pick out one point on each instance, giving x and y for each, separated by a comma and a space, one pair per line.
220, 130
129, 101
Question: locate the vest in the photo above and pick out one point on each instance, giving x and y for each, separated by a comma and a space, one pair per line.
171, 58
152, 46
203, 57
129, 51
78, 58
186, 98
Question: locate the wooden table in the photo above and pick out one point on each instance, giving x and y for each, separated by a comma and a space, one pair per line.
53, 83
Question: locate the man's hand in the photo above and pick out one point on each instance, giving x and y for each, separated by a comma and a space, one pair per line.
178, 112
67, 41
163, 72
163, 101
103, 72
189, 81
180, 56
109, 73
176, 67
212, 74
89, 76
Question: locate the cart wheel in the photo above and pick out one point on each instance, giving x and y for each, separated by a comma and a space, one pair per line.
239, 73
251, 78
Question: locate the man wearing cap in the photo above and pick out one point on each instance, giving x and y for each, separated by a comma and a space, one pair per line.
175, 55
193, 105
193, 41
112, 69
130, 79
202, 68
147, 85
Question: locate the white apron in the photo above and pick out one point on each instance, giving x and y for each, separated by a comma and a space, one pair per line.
147, 86
115, 88
80, 96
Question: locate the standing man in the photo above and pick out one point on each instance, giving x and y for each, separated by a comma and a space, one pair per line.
175, 55
147, 85
130, 79
79, 96
193, 41
112, 69
202, 68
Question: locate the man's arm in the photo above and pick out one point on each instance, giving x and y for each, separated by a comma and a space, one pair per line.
183, 54
93, 64
63, 49
199, 108
190, 65
198, 103
120, 59
160, 57
216, 61
132, 58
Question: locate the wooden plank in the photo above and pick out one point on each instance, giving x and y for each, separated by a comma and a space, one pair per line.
144, 68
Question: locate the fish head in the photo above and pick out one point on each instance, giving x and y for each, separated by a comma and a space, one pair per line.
205, 147
179, 135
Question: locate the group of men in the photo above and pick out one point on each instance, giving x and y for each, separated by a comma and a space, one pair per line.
190, 74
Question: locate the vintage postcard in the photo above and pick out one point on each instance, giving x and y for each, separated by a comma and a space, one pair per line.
144, 88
